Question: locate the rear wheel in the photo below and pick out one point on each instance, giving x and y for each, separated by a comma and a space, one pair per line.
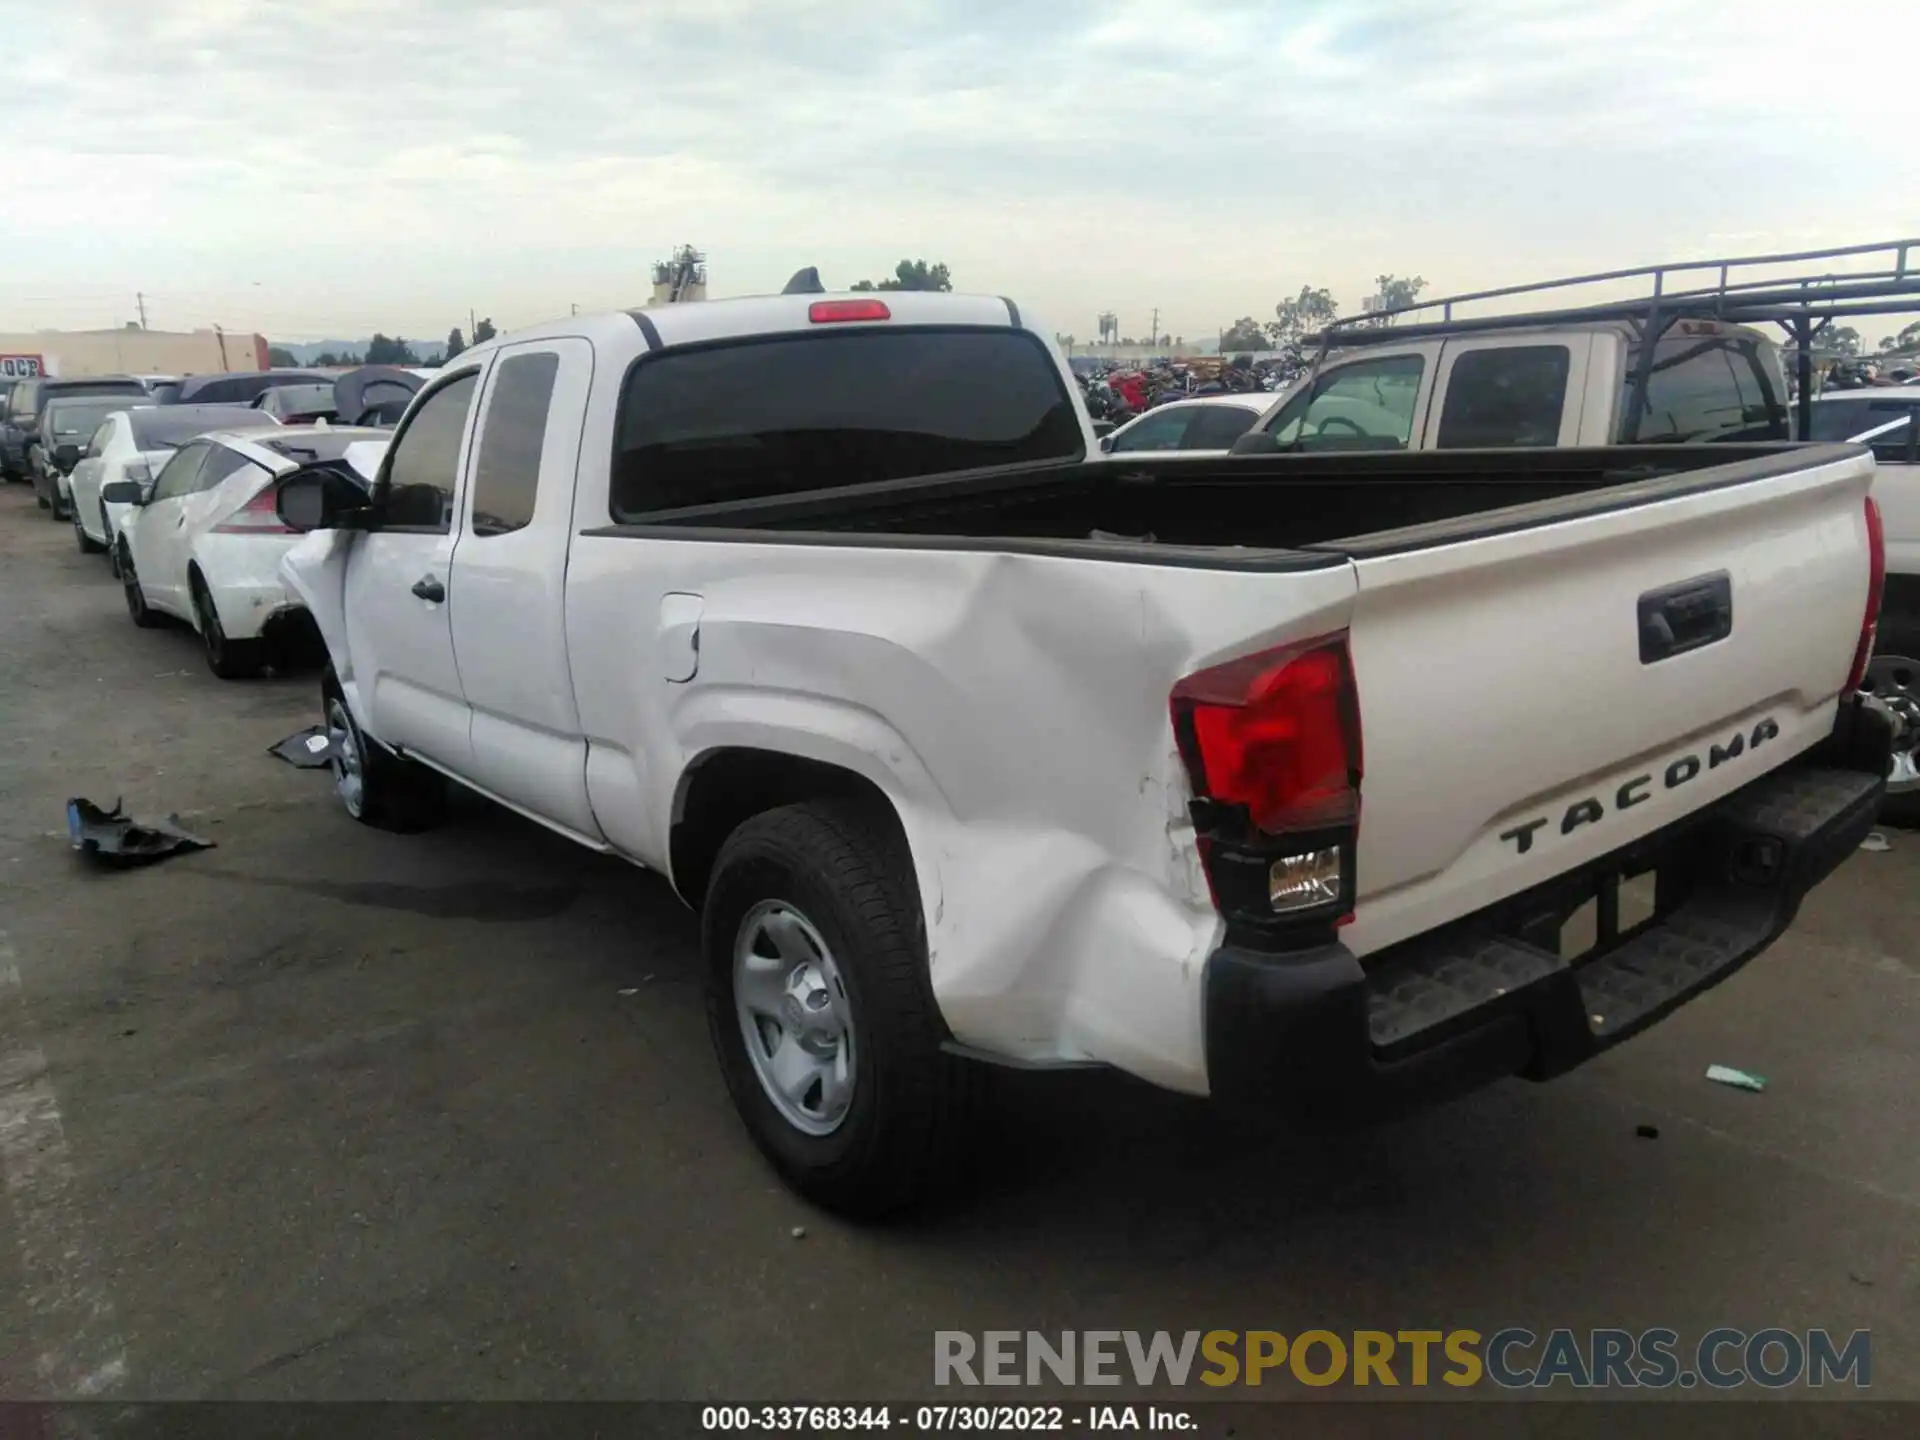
229, 659
827, 1034
375, 786
143, 615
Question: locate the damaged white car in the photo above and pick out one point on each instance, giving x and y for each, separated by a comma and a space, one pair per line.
1278, 777
201, 541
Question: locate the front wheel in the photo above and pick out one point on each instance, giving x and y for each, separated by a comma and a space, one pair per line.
817, 1001
143, 615
88, 545
1893, 677
375, 786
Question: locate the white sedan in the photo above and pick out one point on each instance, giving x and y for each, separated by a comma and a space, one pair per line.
132, 444
202, 542
1204, 425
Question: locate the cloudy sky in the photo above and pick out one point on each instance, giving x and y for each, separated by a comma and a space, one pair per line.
331, 167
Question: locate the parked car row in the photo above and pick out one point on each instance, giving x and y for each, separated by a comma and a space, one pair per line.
180, 497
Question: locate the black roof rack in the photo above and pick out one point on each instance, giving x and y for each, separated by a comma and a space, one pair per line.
1887, 282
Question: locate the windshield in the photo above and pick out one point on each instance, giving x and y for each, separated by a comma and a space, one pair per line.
70, 419
774, 417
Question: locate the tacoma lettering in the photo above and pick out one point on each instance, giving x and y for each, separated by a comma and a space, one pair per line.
1589, 809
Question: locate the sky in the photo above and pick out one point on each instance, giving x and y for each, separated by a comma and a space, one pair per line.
316, 170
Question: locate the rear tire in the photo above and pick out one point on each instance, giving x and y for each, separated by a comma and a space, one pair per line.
376, 786
143, 615
832, 879
229, 659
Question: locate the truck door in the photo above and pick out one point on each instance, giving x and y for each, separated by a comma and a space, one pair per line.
509, 610
397, 587
1507, 391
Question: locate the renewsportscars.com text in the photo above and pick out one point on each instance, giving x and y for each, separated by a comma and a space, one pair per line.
1511, 1358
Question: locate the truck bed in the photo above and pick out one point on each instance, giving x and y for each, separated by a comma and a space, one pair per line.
1263, 511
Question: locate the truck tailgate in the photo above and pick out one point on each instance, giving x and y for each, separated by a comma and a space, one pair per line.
1545, 687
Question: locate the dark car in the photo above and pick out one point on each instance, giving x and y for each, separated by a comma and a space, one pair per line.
67, 424
20, 428
241, 387
375, 394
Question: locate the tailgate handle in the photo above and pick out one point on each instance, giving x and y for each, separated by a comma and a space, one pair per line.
1685, 617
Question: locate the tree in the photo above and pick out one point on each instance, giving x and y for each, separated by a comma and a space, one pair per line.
455, 342
1245, 334
280, 356
326, 358
913, 275
1906, 341
1309, 311
382, 351
484, 331
1392, 292
1841, 340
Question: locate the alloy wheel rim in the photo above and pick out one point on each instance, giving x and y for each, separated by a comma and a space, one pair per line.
1894, 680
349, 775
795, 1017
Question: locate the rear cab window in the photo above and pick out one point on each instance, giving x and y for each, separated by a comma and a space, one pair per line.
1706, 388
506, 477
782, 414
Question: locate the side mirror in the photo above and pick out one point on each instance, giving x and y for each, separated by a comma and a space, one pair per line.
1256, 442
1106, 444
320, 498
124, 492
66, 456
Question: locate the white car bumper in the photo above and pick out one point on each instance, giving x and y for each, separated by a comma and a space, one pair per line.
243, 577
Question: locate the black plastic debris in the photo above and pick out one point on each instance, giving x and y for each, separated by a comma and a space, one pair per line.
311, 749
112, 838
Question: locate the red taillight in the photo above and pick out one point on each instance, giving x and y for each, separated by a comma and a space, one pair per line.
826, 312
257, 517
1277, 732
1876, 587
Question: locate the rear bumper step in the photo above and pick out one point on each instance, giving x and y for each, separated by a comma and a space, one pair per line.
1323, 1039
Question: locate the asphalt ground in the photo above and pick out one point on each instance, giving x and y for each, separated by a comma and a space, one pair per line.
325, 1113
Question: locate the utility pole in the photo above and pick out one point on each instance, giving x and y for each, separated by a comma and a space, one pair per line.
470, 325
221, 336
574, 310
140, 301
1154, 338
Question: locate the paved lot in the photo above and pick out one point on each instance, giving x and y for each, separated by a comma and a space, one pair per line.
327, 1113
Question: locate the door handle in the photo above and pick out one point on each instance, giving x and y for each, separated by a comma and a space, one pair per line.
428, 588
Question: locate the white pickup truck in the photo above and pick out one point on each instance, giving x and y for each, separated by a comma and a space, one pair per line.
1292, 778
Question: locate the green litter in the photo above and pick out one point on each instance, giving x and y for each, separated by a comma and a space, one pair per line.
1739, 1079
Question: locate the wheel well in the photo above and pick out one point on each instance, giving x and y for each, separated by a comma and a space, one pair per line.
726, 788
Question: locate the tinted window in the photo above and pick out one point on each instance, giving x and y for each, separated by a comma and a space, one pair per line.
1216, 427
176, 477
1704, 390
1365, 405
425, 460
1157, 430
1844, 419
506, 477
162, 428
1505, 396
66, 420
222, 463
777, 416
